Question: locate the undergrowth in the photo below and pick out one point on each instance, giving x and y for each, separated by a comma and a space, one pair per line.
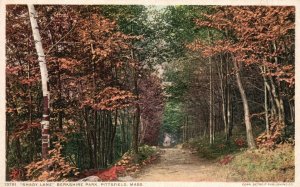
126, 165
259, 165
263, 165
219, 148
145, 151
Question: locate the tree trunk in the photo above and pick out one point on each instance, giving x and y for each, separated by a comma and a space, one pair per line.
135, 129
210, 97
292, 112
44, 76
250, 139
229, 105
187, 130
129, 123
223, 87
60, 113
135, 133
276, 96
112, 140
280, 100
273, 109
210, 102
213, 118
101, 140
266, 101
123, 138
183, 131
94, 129
88, 136
18, 152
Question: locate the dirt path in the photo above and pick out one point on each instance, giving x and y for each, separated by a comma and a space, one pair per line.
176, 164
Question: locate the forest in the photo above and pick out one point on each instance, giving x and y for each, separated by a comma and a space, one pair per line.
94, 90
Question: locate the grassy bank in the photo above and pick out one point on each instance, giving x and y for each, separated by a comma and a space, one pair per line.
218, 149
264, 165
258, 165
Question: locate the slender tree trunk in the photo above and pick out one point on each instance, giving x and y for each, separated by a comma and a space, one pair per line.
123, 138
60, 113
95, 139
282, 108
210, 98
135, 129
229, 102
273, 109
210, 102
101, 141
88, 137
183, 133
108, 140
229, 113
112, 140
213, 118
280, 100
292, 112
224, 98
187, 130
250, 138
105, 139
18, 152
99, 129
44, 75
276, 99
266, 101
129, 123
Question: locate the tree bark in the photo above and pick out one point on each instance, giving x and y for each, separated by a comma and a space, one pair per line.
112, 140
136, 124
123, 138
229, 105
213, 118
249, 133
223, 96
277, 99
266, 101
60, 113
210, 102
280, 100
88, 136
210, 98
292, 111
135, 133
44, 76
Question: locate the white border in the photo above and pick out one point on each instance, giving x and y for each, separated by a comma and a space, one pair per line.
150, 2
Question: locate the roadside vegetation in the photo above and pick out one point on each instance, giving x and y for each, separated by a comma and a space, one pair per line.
242, 164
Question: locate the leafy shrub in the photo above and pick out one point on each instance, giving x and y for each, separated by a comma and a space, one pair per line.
146, 151
126, 165
240, 142
55, 168
17, 174
110, 174
273, 138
